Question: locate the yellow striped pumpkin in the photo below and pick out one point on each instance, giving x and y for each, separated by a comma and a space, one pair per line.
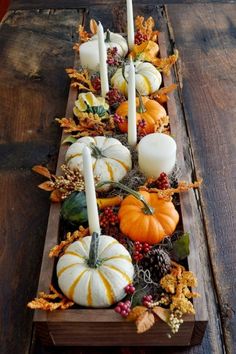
94, 271
147, 78
111, 160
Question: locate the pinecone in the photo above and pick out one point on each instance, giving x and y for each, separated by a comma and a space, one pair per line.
158, 262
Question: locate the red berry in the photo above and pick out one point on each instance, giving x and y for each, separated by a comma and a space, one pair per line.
118, 309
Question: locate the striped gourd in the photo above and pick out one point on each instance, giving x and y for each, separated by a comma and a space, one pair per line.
94, 271
111, 160
147, 78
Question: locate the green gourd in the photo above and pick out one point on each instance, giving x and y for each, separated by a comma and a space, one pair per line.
74, 209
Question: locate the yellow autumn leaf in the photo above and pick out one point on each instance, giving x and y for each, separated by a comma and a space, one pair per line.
163, 314
135, 313
145, 321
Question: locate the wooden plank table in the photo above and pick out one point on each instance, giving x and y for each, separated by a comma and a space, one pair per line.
36, 45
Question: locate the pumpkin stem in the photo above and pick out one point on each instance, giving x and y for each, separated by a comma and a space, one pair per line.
96, 152
93, 251
141, 108
148, 210
108, 37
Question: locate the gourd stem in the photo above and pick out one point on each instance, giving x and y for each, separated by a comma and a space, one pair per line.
141, 108
93, 251
95, 151
108, 37
147, 208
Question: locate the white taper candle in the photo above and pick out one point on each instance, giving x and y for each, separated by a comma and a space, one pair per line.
103, 61
93, 218
130, 24
132, 125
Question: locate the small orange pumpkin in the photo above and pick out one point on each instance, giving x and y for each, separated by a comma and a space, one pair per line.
150, 221
148, 110
144, 217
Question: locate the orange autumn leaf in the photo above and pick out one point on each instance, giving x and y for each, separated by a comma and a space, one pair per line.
46, 186
145, 321
56, 196
146, 51
83, 35
93, 26
161, 95
146, 27
135, 313
162, 313
41, 170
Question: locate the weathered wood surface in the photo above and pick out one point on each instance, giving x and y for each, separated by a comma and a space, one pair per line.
36, 46
208, 54
75, 4
31, 95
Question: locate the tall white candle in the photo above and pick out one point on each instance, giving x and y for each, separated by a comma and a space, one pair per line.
156, 154
130, 24
103, 61
93, 218
132, 125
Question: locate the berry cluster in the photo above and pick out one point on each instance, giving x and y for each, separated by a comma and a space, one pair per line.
115, 97
140, 249
140, 37
108, 217
113, 57
147, 300
129, 289
123, 308
96, 82
162, 182
118, 119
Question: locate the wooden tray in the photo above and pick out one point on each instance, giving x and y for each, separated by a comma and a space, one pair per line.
96, 327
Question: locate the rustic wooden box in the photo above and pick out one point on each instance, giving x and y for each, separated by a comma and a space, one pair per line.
95, 327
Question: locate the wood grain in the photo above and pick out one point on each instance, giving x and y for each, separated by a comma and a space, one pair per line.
74, 4
208, 55
33, 90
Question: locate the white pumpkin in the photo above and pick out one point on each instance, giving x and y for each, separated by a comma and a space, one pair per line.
95, 277
89, 54
111, 160
147, 78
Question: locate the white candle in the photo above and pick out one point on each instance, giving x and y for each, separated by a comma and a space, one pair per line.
93, 218
132, 125
156, 154
103, 61
130, 24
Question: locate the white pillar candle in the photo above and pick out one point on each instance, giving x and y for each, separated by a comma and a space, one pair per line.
132, 125
130, 24
93, 218
156, 154
103, 61
89, 55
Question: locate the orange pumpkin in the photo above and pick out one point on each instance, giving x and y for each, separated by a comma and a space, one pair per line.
147, 219
148, 110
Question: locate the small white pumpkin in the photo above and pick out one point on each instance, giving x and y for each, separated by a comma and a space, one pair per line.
94, 271
89, 54
147, 78
111, 160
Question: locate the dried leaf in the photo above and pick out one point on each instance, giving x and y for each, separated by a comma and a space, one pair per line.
41, 170
93, 26
56, 196
165, 64
145, 321
80, 79
135, 313
46, 186
163, 314
59, 250
161, 95
146, 27
83, 35
45, 301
